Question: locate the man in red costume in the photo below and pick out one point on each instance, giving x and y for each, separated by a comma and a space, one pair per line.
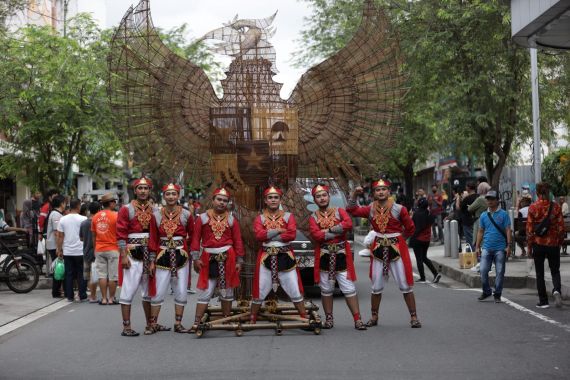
276, 264
169, 235
217, 232
333, 256
392, 223
137, 263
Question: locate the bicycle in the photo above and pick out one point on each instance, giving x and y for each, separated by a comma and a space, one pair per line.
18, 269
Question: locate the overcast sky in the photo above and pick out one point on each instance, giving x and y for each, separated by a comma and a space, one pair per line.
205, 15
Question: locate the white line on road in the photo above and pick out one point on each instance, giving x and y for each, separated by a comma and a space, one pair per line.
518, 307
20, 322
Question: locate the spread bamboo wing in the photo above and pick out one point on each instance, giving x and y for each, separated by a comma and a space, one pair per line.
161, 101
349, 104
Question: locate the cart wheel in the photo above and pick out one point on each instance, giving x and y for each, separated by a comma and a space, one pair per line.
239, 332
199, 333
317, 331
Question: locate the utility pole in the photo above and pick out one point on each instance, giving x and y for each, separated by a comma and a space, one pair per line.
535, 116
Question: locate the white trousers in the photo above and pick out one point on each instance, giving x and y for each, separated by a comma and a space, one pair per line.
398, 273
288, 280
165, 281
204, 296
346, 286
132, 279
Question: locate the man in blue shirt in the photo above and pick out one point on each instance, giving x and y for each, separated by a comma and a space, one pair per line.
495, 236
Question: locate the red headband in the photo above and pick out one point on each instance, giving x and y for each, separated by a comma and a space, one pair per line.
221, 191
318, 189
272, 190
142, 181
171, 186
381, 183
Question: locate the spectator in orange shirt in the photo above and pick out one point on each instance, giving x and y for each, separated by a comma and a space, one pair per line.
546, 246
104, 228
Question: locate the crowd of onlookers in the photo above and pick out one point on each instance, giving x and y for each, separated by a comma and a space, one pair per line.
83, 235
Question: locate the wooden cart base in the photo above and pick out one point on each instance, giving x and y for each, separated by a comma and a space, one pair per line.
272, 316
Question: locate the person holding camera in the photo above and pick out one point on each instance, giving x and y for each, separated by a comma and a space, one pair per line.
545, 235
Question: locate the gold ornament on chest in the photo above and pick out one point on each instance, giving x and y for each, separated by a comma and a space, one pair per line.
218, 223
326, 219
273, 221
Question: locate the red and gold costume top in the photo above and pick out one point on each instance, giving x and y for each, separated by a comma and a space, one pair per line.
266, 227
213, 230
135, 217
321, 222
168, 224
392, 218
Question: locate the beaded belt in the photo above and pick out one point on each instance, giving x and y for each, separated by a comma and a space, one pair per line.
171, 243
273, 252
385, 243
137, 241
332, 250
220, 258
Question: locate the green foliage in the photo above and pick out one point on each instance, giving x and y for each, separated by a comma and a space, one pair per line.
469, 86
556, 171
54, 103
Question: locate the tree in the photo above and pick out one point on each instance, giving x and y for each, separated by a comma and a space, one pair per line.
469, 83
556, 171
54, 103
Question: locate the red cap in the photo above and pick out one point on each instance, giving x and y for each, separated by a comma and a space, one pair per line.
171, 186
272, 190
318, 189
221, 191
381, 183
142, 181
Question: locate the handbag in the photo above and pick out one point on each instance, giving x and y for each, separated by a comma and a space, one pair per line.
58, 269
541, 228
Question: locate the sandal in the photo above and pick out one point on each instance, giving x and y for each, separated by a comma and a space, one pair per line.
359, 325
149, 330
178, 328
329, 322
158, 328
415, 323
373, 321
129, 332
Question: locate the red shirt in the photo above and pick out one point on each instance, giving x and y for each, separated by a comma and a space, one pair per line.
536, 214
183, 230
44, 211
264, 234
126, 225
399, 220
204, 236
320, 236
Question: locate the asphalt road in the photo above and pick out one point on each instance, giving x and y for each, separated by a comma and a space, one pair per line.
460, 338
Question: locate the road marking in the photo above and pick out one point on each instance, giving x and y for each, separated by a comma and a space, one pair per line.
29, 318
518, 307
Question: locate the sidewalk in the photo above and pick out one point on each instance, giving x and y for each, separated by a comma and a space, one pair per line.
518, 272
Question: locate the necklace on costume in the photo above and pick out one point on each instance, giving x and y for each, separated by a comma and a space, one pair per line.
218, 223
382, 214
170, 220
326, 219
143, 213
273, 220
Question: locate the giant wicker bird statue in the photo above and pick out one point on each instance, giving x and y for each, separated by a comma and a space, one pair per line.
338, 122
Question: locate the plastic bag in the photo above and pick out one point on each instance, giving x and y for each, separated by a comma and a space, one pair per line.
94, 277
58, 269
41, 250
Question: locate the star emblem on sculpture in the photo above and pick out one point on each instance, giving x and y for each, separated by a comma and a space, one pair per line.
253, 160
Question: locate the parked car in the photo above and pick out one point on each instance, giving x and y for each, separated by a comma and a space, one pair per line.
303, 246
